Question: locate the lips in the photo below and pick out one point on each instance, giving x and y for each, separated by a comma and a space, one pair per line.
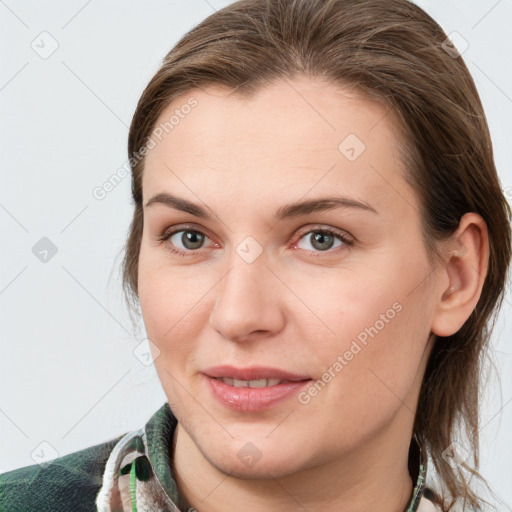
254, 384
255, 373
255, 389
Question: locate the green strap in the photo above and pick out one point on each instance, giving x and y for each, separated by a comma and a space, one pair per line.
133, 487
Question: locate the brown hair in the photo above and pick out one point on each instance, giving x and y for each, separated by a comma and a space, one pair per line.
395, 52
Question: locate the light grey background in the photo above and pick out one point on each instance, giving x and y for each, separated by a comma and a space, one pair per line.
70, 375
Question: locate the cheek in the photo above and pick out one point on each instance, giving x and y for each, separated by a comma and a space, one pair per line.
166, 293
376, 326
170, 320
363, 302
163, 301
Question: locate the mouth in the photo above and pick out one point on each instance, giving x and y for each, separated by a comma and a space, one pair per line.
252, 374
256, 383
253, 389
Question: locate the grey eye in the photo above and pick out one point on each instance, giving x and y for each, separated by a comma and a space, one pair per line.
191, 240
320, 240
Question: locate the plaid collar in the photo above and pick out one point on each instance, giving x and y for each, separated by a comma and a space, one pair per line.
138, 475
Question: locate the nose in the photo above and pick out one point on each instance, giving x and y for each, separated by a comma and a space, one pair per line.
249, 302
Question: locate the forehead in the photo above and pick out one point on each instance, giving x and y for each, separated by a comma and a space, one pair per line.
293, 135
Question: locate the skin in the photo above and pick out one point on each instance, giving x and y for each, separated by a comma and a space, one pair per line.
296, 307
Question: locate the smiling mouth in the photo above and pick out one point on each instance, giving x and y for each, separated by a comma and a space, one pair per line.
256, 376
258, 383
255, 395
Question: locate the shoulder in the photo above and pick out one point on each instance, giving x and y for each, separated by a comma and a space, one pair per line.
70, 482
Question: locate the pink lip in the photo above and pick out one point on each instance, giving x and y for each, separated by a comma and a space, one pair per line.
253, 373
253, 399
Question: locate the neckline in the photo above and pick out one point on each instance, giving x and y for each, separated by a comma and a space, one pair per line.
160, 432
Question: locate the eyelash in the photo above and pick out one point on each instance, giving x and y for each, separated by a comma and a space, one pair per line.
347, 242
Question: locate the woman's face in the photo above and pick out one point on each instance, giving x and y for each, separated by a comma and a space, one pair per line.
256, 284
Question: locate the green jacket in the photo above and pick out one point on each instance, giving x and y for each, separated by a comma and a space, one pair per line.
131, 472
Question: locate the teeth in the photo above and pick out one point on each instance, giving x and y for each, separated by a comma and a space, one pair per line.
259, 383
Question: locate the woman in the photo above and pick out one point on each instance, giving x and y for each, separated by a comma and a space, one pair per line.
318, 245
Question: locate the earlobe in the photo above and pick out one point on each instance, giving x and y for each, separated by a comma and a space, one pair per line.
466, 261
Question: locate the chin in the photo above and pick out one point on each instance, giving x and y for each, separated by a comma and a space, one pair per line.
259, 470
255, 461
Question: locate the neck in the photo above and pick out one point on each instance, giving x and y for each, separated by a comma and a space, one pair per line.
373, 476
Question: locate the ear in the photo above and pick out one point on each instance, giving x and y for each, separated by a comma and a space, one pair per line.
466, 257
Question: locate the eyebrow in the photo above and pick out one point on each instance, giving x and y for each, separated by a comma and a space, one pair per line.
284, 212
